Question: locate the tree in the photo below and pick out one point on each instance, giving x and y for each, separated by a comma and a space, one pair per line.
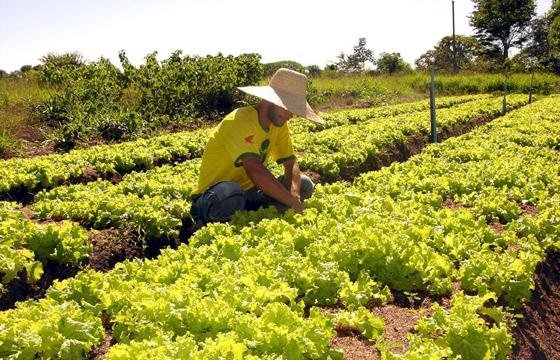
502, 22
270, 68
16, 74
67, 59
391, 63
54, 66
543, 50
441, 58
313, 71
554, 35
357, 61
25, 68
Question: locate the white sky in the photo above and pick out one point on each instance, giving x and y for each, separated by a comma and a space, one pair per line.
309, 32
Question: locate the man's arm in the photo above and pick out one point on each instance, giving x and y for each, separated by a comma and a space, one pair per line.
292, 177
264, 180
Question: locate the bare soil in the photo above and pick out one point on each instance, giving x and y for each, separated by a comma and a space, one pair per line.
19, 289
403, 151
537, 334
449, 203
112, 246
33, 137
355, 346
529, 209
99, 351
399, 317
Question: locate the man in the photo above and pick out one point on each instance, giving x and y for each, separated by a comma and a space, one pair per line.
233, 175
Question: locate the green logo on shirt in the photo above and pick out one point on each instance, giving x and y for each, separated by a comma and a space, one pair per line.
263, 150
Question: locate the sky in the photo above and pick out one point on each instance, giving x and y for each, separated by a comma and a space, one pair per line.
312, 32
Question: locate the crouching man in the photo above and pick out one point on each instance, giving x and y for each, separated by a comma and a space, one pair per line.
233, 175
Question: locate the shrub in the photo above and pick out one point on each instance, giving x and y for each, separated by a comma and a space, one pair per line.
97, 99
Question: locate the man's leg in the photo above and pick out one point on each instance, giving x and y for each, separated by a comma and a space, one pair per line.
257, 199
218, 203
306, 188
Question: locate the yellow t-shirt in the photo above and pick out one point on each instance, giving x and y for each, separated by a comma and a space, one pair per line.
240, 133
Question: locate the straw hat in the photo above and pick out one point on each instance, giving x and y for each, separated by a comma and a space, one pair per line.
287, 89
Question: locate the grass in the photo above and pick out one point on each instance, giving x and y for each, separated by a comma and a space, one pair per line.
23, 90
371, 90
18, 97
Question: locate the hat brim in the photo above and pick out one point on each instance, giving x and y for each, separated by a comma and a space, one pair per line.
294, 103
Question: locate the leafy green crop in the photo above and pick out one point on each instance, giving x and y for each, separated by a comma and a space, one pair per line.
46, 172
25, 245
254, 288
158, 200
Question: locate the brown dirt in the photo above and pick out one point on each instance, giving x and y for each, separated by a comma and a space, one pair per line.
99, 351
19, 289
399, 322
112, 246
90, 174
315, 177
400, 317
29, 135
529, 209
32, 137
399, 153
463, 128
497, 227
27, 213
355, 346
537, 334
449, 203
403, 151
342, 104
350, 341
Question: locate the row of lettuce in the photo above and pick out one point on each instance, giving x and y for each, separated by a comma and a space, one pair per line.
26, 246
157, 199
45, 172
257, 287
156, 203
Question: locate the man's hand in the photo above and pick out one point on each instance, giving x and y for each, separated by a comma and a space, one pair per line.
298, 206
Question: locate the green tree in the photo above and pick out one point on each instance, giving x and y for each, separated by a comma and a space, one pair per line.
313, 71
391, 63
442, 57
543, 50
357, 61
25, 68
55, 68
270, 68
502, 22
554, 36
66, 60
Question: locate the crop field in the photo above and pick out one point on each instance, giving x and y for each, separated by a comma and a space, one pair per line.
407, 250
